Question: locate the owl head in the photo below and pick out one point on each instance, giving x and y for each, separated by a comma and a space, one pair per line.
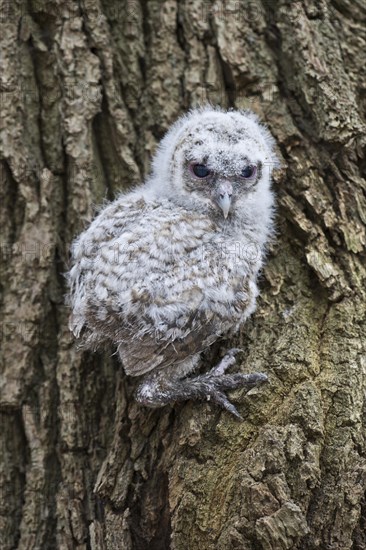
215, 158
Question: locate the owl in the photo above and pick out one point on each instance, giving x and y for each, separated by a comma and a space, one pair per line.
171, 266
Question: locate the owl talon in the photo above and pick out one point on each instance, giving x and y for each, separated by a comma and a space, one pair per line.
155, 391
232, 381
217, 384
220, 399
227, 361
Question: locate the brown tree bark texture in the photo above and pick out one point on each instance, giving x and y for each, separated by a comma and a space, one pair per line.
88, 90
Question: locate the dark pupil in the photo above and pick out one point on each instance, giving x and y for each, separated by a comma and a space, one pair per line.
200, 170
247, 172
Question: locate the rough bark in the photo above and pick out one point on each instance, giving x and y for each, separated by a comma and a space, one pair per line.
88, 89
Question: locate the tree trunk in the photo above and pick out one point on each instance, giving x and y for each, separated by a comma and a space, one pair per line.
88, 90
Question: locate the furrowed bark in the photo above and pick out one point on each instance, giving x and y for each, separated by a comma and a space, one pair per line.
88, 90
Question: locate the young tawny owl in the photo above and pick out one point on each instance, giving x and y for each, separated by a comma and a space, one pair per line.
166, 269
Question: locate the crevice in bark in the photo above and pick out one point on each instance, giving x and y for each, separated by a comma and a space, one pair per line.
14, 211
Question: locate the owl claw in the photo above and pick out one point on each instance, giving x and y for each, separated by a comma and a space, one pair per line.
227, 361
217, 385
218, 382
220, 399
157, 391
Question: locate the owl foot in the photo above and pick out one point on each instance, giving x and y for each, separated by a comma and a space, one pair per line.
158, 390
218, 382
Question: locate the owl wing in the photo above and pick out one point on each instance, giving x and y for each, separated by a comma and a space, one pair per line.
148, 284
143, 354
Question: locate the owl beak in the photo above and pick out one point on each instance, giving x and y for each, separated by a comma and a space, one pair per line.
224, 196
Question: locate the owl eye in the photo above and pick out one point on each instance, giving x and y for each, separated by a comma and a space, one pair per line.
200, 170
248, 171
